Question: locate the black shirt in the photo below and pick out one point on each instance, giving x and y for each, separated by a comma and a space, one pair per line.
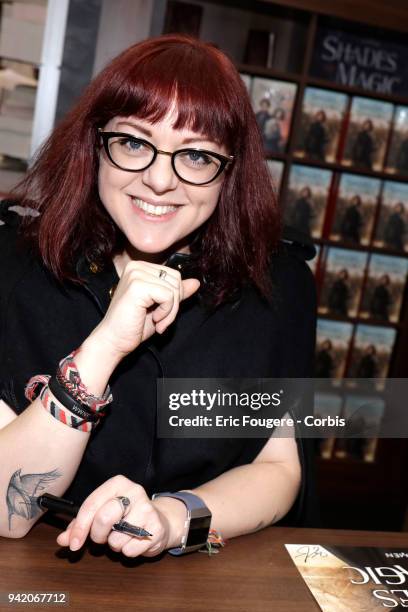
42, 321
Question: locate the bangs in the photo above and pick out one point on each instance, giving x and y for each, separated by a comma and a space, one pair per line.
192, 81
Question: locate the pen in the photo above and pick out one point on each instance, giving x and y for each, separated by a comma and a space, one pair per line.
65, 506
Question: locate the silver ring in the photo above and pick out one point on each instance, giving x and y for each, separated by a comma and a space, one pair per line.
162, 274
124, 504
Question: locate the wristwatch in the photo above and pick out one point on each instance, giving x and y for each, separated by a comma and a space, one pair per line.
197, 523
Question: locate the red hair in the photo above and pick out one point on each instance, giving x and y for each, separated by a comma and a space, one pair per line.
235, 244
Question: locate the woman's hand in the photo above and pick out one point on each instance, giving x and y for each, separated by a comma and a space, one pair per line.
146, 301
163, 518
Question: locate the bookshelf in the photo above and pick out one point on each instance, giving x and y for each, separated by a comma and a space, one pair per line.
354, 493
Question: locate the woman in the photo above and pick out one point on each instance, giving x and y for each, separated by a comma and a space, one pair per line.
161, 155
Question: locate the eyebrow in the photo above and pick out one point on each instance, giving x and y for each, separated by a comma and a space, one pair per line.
148, 133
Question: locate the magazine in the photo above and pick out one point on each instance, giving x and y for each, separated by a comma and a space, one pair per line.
397, 159
371, 353
342, 282
332, 346
326, 404
384, 288
322, 118
273, 102
351, 578
363, 416
367, 133
276, 170
306, 199
392, 227
356, 205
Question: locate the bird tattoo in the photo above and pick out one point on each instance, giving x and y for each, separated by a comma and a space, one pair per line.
23, 491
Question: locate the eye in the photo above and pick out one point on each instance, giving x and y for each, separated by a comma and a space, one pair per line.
196, 158
132, 145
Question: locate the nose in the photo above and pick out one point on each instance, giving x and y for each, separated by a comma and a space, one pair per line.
160, 176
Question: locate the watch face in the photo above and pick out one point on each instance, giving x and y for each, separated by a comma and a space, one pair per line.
198, 532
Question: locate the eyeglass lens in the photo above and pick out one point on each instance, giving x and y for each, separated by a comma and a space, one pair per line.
191, 165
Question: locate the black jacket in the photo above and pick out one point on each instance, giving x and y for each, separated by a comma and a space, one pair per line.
42, 321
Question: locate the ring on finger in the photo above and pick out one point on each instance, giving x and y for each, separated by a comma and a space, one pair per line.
162, 274
124, 504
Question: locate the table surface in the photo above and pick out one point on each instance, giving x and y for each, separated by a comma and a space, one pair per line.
252, 573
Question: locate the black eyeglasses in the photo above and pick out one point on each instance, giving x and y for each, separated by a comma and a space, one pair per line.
193, 166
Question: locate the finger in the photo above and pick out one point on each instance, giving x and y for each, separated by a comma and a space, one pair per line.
190, 286
109, 514
63, 537
135, 548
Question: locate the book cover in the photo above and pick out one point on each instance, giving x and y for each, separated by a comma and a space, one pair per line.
371, 352
384, 287
332, 346
392, 227
348, 57
306, 199
397, 159
342, 282
273, 102
326, 405
355, 209
367, 133
275, 168
363, 416
351, 578
247, 81
321, 123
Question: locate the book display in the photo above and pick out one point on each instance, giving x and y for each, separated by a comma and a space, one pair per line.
343, 280
21, 36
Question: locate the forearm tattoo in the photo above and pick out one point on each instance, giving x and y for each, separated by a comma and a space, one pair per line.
23, 491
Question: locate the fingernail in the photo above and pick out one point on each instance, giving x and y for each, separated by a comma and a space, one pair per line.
75, 544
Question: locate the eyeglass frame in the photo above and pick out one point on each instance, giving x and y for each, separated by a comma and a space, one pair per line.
225, 160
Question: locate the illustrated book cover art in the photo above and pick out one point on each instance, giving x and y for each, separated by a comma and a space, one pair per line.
397, 158
342, 282
307, 198
351, 578
384, 288
321, 123
326, 405
367, 133
371, 352
273, 103
391, 231
355, 209
332, 346
363, 415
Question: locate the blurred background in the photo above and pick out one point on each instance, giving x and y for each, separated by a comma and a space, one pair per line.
328, 83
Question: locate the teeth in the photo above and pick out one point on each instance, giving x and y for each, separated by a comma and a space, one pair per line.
156, 211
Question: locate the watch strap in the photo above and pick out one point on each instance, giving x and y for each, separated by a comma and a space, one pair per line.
196, 509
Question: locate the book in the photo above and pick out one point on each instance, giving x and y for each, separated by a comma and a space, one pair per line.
397, 158
260, 46
307, 198
247, 81
371, 352
342, 282
275, 168
363, 415
321, 122
332, 346
355, 209
367, 133
326, 404
351, 578
384, 287
273, 102
392, 227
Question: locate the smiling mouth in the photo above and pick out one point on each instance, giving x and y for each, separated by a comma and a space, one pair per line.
154, 210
